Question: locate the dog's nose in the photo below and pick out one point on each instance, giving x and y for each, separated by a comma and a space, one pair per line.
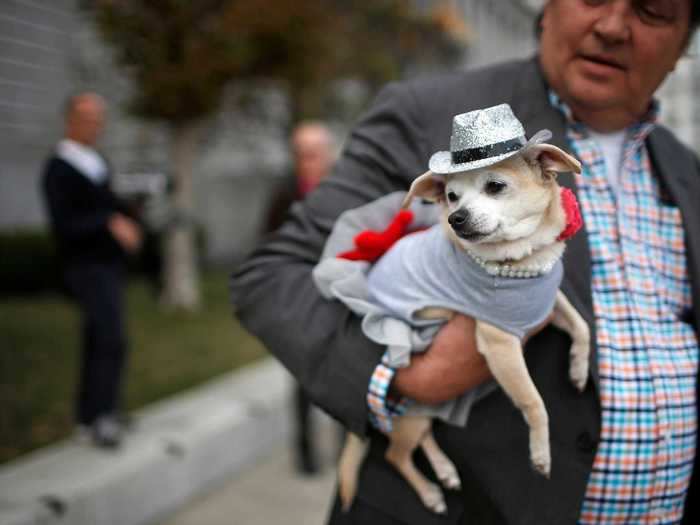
458, 218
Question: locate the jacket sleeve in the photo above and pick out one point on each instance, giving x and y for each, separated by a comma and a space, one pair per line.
70, 221
320, 341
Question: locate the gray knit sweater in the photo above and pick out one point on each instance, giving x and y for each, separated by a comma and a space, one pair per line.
426, 269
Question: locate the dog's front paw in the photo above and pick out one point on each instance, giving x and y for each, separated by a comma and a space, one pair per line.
578, 369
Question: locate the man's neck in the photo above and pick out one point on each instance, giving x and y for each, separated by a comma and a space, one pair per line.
79, 144
78, 140
604, 120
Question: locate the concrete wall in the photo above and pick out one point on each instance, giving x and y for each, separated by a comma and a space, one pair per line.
35, 53
680, 109
503, 30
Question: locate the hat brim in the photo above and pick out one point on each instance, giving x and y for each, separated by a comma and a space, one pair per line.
441, 162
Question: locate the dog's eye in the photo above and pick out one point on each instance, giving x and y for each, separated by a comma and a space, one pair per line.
493, 187
452, 196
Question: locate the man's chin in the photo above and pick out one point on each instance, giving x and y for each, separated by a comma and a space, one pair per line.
595, 94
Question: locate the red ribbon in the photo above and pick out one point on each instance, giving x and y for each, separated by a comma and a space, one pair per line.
370, 245
573, 214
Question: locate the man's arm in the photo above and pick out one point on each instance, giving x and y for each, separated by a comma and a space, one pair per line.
321, 341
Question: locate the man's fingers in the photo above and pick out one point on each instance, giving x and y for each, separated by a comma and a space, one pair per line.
126, 232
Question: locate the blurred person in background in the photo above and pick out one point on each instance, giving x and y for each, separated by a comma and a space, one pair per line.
623, 451
94, 234
313, 154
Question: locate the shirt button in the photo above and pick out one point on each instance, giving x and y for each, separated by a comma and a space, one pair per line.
586, 443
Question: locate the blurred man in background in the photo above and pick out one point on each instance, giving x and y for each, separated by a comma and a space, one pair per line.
313, 153
312, 149
93, 234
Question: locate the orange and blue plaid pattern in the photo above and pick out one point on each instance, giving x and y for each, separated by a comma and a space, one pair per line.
647, 354
382, 406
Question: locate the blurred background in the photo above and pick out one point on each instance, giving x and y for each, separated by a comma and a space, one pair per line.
202, 98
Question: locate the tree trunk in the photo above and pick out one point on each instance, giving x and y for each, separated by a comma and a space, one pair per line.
180, 275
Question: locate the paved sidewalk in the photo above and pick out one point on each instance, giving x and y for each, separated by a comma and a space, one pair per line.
182, 447
269, 493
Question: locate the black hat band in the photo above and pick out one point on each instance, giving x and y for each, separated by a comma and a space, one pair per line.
490, 150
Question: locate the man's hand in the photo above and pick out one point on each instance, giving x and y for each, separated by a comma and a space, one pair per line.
126, 232
450, 367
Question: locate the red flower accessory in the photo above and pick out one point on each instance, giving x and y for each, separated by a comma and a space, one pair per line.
370, 245
573, 214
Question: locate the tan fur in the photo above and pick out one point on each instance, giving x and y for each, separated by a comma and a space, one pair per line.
349, 463
533, 177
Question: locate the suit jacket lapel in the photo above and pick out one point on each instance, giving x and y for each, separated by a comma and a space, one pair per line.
532, 106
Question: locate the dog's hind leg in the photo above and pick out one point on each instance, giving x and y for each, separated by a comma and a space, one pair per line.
407, 434
504, 356
568, 319
442, 465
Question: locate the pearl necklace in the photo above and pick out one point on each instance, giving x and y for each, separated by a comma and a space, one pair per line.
508, 270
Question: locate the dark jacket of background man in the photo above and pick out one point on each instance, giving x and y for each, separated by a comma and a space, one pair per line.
80, 210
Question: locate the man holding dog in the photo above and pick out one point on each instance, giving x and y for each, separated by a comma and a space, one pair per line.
624, 451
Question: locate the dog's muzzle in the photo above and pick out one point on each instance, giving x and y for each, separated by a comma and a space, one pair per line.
461, 223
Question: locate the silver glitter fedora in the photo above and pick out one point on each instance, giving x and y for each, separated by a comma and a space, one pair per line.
481, 138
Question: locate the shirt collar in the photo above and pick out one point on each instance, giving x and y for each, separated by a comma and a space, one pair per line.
84, 159
77, 146
637, 131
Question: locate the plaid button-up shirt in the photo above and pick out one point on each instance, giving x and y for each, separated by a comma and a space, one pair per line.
647, 356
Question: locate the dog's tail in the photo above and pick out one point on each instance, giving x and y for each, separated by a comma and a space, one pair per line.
349, 468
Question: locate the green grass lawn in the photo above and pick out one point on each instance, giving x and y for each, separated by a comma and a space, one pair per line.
169, 352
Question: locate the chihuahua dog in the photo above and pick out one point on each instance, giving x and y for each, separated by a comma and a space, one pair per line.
506, 220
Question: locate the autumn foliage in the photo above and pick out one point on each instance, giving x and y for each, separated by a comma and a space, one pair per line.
181, 54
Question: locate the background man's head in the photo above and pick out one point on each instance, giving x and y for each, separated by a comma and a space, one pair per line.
313, 152
606, 58
84, 118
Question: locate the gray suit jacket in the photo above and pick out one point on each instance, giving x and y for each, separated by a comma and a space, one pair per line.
322, 345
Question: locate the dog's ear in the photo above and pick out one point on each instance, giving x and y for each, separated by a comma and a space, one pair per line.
552, 160
427, 186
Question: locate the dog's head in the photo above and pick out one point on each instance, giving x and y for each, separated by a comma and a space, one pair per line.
503, 202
